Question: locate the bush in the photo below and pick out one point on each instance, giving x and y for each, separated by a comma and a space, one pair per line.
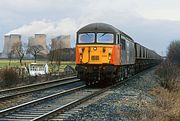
168, 73
173, 54
9, 77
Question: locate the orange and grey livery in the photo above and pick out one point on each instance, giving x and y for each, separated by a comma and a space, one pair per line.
105, 55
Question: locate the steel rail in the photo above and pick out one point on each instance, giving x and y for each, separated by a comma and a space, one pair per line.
73, 104
47, 115
34, 102
9, 93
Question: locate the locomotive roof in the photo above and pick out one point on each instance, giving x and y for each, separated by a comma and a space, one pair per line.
98, 27
101, 27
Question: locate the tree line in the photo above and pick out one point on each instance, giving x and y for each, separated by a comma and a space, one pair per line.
55, 54
169, 69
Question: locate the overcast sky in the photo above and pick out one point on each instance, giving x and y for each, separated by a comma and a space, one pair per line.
152, 23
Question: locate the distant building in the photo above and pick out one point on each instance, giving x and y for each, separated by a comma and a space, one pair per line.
60, 42
64, 54
68, 54
39, 39
9, 41
6, 43
60, 49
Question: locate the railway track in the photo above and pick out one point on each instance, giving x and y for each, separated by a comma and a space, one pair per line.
17, 90
36, 108
15, 96
56, 104
71, 108
44, 108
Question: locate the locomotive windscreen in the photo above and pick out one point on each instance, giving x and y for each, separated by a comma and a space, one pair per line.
96, 38
86, 38
105, 38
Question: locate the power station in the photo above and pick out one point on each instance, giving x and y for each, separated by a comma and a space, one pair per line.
9, 41
39, 39
59, 42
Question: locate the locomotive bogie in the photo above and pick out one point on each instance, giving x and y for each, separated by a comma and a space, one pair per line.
93, 74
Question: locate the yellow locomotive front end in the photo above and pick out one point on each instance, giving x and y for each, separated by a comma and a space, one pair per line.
95, 54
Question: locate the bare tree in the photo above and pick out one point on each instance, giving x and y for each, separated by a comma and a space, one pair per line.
168, 70
56, 53
58, 58
52, 53
18, 50
174, 52
35, 50
10, 56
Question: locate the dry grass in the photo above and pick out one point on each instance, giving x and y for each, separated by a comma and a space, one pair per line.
9, 77
168, 73
166, 107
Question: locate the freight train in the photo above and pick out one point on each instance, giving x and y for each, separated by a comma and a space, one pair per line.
105, 55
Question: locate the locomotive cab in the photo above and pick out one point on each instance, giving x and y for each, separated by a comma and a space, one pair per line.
97, 48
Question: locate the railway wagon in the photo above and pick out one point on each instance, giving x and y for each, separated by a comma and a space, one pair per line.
145, 58
105, 55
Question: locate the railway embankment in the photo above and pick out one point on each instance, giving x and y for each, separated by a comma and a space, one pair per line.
140, 99
10, 80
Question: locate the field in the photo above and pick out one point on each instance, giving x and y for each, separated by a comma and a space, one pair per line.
54, 69
15, 63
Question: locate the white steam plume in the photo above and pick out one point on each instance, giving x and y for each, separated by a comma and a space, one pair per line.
65, 26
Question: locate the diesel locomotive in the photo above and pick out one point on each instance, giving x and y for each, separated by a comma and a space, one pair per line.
105, 55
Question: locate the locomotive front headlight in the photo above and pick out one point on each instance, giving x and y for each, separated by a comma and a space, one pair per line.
81, 50
109, 57
80, 57
95, 48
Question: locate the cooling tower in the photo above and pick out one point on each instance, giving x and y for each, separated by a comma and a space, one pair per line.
9, 41
31, 41
61, 42
6, 43
39, 39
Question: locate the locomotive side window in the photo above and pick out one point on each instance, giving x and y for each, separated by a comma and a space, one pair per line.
143, 52
117, 39
123, 43
105, 38
86, 38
